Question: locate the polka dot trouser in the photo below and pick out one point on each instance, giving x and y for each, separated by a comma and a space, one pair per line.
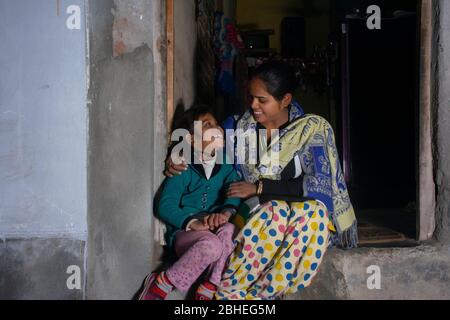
278, 251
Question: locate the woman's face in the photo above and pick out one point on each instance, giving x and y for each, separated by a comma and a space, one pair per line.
266, 109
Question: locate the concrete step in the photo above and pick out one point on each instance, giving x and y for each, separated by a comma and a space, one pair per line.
421, 272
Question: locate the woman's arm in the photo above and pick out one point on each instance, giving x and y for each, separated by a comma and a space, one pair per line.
286, 190
242, 190
293, 187
290, 186
173, 169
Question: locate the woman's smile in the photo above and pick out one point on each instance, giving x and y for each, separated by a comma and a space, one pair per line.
258, 114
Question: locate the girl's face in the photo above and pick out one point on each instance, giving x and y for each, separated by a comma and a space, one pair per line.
211, 135
266, 109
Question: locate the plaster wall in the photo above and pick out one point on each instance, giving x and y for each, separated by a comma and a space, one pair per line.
43, 156
441, 117
126, 144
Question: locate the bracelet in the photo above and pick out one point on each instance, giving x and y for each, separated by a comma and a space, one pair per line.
259, 188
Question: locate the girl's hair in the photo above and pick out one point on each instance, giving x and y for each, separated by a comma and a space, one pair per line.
279, 78
187, 119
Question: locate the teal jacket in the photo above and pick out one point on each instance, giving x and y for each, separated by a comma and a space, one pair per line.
189, 195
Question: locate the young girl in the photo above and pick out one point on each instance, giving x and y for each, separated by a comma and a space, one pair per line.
195, 208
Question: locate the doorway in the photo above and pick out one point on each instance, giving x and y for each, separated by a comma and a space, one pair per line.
364, 82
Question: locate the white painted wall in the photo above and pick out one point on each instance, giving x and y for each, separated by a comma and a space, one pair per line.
43, 120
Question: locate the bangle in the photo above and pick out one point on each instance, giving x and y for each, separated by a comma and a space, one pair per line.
259, 188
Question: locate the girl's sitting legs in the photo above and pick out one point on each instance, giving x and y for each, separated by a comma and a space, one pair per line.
198, 250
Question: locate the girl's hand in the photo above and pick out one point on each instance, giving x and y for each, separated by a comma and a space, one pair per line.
242, 190
216, 220
199, 226
173, 169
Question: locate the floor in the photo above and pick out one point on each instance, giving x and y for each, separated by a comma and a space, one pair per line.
387, 227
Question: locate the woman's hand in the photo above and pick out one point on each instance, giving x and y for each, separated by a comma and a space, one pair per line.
173, 169
242, 190
216, 220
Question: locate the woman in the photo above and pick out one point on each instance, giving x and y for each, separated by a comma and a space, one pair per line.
302, 204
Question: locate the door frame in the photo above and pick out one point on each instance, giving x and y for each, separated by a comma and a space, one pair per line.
426, 189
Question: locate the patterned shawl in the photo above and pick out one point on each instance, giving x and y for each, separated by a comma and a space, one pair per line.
312, 138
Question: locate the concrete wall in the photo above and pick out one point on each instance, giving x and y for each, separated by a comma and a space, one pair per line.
59, 185
43, 131
405, 274
126, 143
441, 119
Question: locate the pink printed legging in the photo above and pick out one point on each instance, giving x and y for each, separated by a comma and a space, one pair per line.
199, 250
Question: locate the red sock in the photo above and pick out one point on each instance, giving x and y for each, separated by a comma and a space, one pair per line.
162, 286
205, 291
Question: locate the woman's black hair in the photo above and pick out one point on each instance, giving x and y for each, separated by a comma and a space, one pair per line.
279, 78
187, 119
